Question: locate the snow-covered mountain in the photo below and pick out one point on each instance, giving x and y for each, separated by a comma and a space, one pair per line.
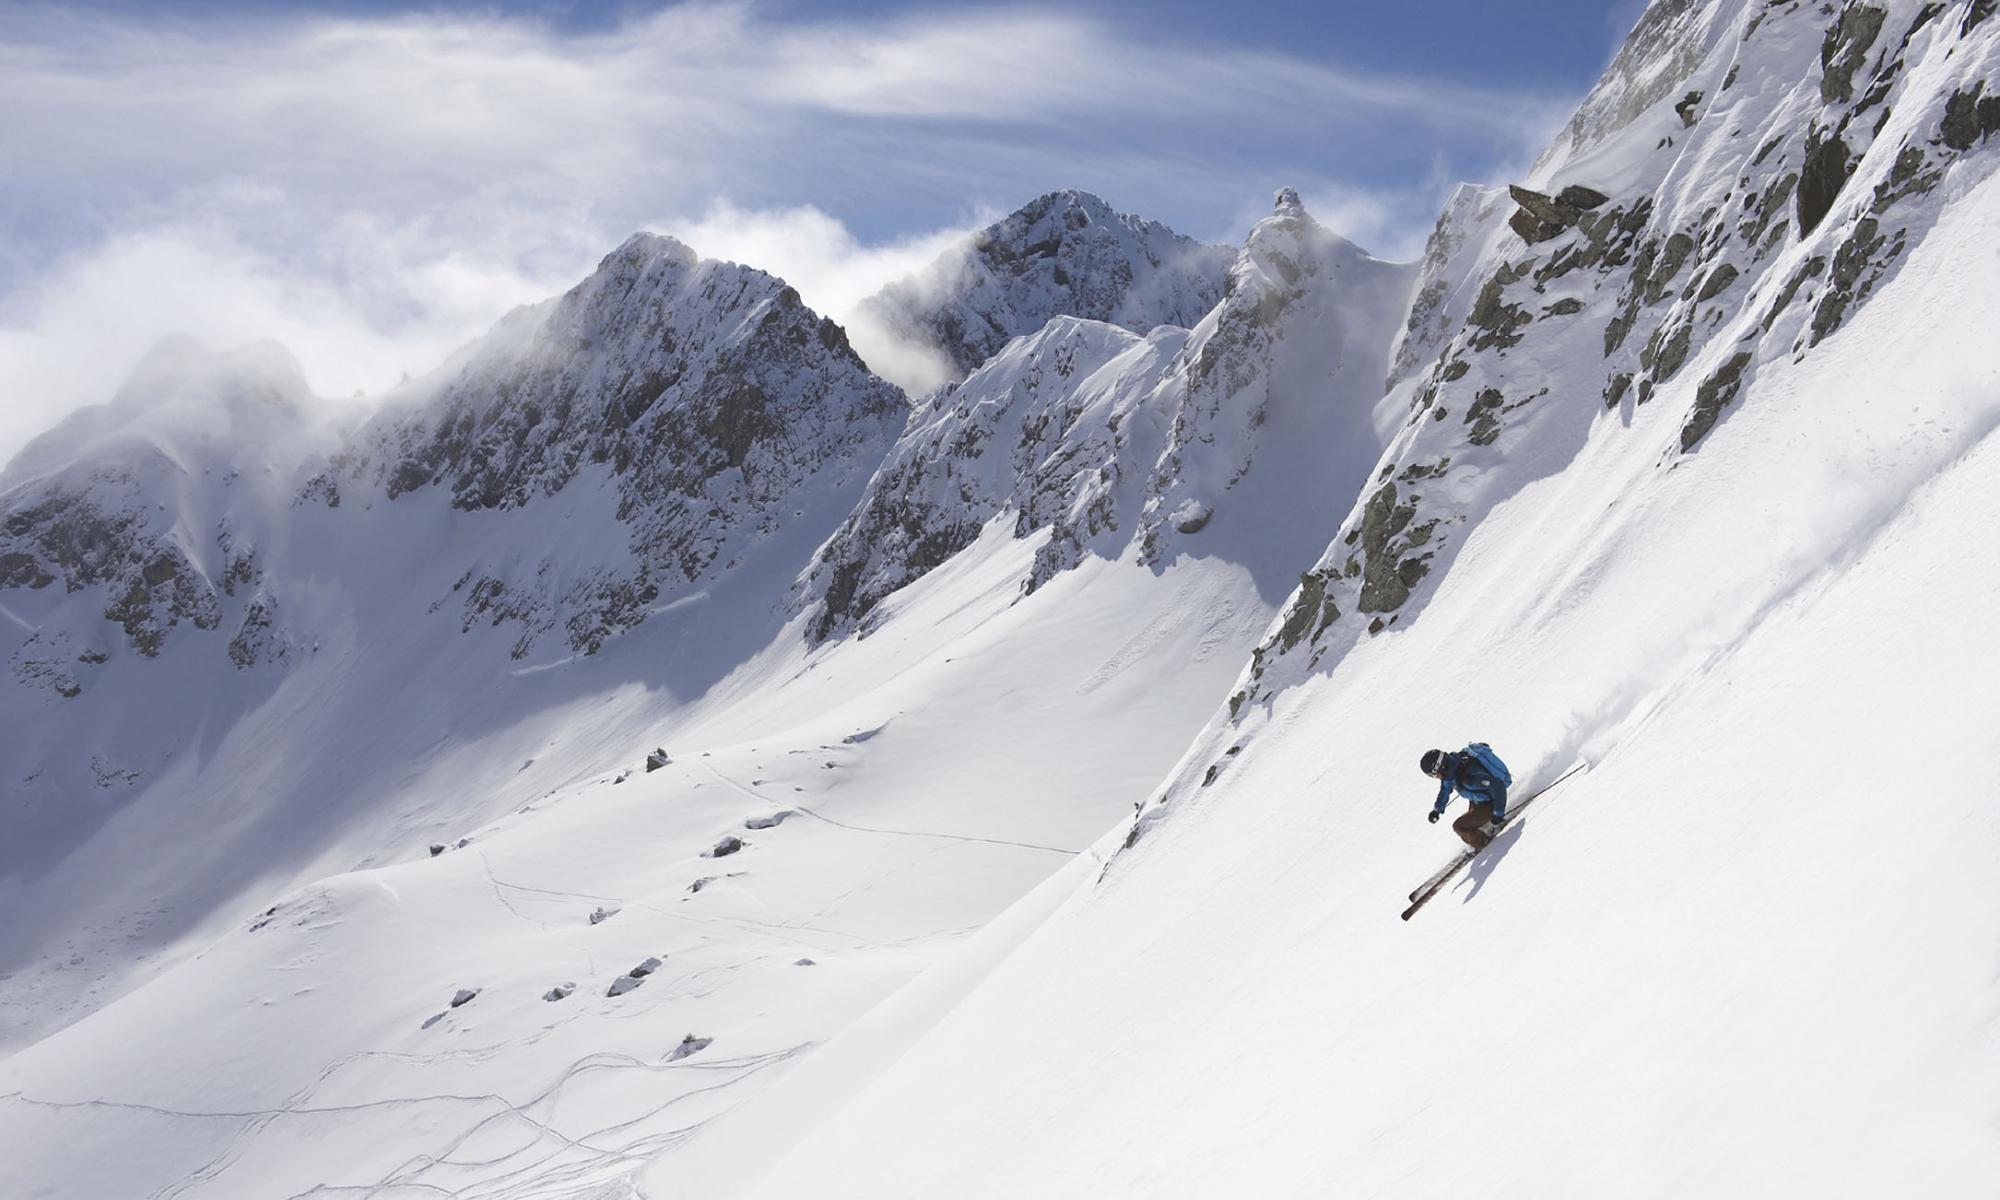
599, 531
670, 761
1094, 439
1067, 253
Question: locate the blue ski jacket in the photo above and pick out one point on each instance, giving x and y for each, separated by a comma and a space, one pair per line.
1473, 781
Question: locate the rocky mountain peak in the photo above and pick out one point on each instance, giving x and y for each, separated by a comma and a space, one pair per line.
1066, 253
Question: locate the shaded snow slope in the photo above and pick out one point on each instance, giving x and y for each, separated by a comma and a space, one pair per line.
886, 798
1067, 253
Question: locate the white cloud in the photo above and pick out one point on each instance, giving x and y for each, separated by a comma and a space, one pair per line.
375, 191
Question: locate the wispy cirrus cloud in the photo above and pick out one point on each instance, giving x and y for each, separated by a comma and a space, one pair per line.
375, 191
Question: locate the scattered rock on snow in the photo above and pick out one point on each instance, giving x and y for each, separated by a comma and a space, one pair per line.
560, 991
433, 1019
701, 883
771, 821
724, 848
603, 914
464, 996
689, 1045
656, 760
805, 962
437, 848
633, 978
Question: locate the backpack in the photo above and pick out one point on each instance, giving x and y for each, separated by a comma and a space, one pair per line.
1484, 756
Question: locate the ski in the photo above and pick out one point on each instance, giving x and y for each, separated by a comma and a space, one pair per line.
1442, 878
1448, 869
1435, 884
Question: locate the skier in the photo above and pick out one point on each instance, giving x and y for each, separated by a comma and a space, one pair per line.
1477, 774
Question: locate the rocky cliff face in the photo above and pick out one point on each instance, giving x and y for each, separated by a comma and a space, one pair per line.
1101, 439
1741, 180
142, 516
703, 398
1065, 254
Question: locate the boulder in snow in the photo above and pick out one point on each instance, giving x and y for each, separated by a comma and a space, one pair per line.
689, 1045
771, 821
724, 848
656, 760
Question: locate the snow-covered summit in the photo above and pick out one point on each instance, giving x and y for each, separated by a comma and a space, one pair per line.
1067, 253
709, 400
1094, 438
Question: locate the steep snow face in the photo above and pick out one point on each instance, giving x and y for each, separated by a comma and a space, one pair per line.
1748, 952
1262, 415
1273, 397
1065, 254
1472, 218
703, 397
1681, 245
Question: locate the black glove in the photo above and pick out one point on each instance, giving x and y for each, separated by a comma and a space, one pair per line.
1433, 818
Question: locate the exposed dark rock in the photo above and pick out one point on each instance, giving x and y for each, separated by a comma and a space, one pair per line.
1969, 117
1828, 164
657, 759
1686, 108
1667, 348
1909, 175
1978, 11
601, 914
1484, 417
1580, 197
1499, 322
1846, 48
21, 570
464, 997
1714, 394
689, 1045
770, 821
1564, 307
1718, 282
1845, 282
560, 991
1813, 267
724, 848
1615, 390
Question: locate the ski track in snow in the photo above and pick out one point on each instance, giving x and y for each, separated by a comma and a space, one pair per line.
915, 833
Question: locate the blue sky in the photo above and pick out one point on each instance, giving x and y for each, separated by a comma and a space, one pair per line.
373, 183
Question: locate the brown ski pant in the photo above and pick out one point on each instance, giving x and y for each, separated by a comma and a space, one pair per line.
1471, 825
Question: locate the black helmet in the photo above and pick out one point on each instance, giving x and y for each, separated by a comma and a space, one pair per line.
1432, 760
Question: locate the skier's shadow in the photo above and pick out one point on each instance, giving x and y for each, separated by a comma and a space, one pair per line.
1480, 868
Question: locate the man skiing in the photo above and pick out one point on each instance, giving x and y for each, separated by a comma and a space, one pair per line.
1477, 774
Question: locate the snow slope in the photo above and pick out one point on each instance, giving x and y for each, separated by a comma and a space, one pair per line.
1747, 953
